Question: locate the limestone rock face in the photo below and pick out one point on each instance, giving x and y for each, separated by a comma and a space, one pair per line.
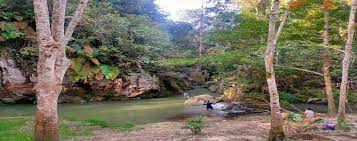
132, 85
11, 74
138, 83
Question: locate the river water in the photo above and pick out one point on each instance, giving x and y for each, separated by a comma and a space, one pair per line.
116, 112
135, 111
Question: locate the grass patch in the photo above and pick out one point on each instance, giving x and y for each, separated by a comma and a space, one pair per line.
96, 122
67, 132
70, 118
10, 130
126, 126
21, 129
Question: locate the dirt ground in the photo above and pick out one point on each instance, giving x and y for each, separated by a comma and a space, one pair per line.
244, 128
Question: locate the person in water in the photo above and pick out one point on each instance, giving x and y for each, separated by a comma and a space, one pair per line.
209, 105
186, 95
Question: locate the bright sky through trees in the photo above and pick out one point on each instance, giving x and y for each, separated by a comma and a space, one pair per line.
176, 7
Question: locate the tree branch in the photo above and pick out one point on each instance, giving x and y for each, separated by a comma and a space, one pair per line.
305, 70
58, 18
281, 26
42, 21
74, 21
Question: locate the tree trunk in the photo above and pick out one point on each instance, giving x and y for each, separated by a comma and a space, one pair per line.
346, 62
276, 131
52, 63
200, 47
326, 66
46, 123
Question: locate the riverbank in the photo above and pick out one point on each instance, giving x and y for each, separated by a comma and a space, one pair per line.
248, 127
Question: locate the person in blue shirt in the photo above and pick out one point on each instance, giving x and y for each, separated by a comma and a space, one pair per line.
209, 105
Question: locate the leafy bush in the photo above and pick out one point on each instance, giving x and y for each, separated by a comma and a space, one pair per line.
196, 124
296, 118
110, 72
96, 122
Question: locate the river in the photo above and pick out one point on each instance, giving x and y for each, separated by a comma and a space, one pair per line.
116, 112
135, 111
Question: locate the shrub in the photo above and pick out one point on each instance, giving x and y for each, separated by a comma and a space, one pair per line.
196, 124
96, 122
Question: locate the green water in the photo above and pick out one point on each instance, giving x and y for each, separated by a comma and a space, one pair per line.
136, 111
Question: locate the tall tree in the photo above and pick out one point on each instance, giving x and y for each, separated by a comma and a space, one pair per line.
346, 62
200, 46
326, 60
276, 131
52, 63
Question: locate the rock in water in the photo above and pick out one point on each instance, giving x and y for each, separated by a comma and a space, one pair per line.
199, 100
235, 110
8, 100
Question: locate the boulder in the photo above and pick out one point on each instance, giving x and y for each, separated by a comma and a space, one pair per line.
97, 98
235, 110
316, 101
197, 77
213, 88
199, 100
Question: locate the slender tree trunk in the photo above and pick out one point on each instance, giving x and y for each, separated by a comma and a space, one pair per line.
200, 48
276, 131
346, 62
326, 67
52, 63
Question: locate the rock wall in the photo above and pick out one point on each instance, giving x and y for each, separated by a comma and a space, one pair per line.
131, 86
16, 87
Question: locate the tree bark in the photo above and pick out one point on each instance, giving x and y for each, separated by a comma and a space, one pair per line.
276, 131
52, 63
346, 62
326, 64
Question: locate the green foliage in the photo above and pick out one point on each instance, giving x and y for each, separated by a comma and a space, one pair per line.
196, 124
28, 52
297, 118
224, 61
344, 123
352, 97
9, 31
285, 96
110, 72
96, 122
77, 64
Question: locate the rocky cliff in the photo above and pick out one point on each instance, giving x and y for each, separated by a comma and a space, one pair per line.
16, 87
